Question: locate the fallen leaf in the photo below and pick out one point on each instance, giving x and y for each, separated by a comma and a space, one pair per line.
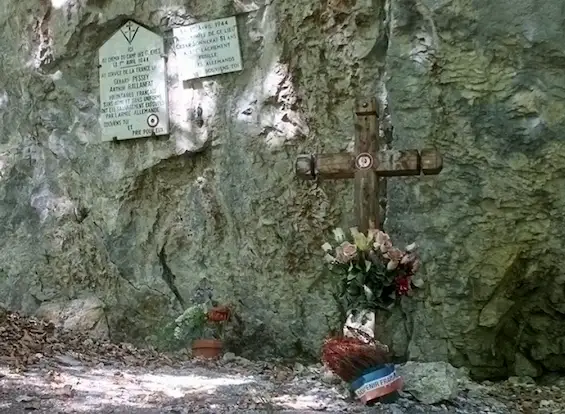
27, 341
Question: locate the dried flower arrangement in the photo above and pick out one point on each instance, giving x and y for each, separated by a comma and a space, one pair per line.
349, 358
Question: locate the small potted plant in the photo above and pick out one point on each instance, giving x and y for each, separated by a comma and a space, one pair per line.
203, 327
373, 274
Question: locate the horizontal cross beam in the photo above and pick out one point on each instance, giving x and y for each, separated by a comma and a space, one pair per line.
388, 163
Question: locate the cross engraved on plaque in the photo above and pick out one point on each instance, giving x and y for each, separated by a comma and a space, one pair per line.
367, 164
129, 31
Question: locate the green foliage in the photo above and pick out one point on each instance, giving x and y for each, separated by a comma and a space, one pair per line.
195, 323
366, 286
191, 324
164, 338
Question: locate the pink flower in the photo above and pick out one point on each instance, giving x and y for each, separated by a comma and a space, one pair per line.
381, 237
386, 246
411, 262
408, 259
345, 252
394, 254
382, 241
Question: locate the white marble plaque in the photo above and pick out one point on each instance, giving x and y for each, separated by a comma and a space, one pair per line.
207, 48
133, 84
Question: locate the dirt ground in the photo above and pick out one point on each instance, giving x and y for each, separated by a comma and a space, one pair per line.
71, 387
48, 370
64, 385
44, 369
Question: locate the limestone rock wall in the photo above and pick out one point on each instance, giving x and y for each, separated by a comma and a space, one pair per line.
214, 209
483, 81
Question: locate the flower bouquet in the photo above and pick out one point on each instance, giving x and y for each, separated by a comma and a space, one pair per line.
373, 274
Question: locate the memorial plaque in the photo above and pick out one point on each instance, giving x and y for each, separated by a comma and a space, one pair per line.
133, 84
207, 48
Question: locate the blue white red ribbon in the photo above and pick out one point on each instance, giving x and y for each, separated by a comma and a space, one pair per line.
378, 383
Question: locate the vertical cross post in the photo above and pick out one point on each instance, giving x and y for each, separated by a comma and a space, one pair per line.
366, 179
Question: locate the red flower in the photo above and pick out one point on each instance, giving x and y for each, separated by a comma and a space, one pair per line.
402, 285
219, 314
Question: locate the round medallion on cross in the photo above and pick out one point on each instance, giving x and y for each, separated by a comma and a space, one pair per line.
364, 161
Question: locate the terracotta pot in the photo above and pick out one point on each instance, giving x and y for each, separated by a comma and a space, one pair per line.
207, 348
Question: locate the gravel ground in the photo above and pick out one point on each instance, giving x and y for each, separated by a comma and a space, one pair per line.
44, 369
63, 384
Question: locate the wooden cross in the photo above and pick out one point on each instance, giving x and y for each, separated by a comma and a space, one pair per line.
367, 164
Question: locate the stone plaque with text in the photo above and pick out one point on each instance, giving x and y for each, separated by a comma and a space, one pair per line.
207, 48
133, 84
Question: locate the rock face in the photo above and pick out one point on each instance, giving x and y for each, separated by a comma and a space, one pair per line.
85, 315
482, 82
214, 209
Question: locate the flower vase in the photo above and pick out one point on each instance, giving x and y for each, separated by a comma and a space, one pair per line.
377, 384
